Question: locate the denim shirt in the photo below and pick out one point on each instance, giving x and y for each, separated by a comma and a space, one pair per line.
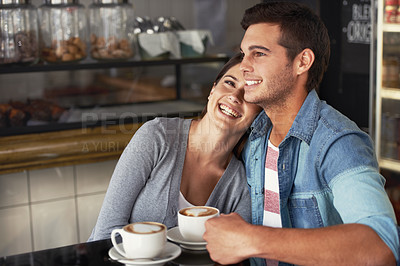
328, 173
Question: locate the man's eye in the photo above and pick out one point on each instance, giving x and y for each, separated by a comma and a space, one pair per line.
259, 53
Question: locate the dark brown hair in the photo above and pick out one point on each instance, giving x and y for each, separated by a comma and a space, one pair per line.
300, 28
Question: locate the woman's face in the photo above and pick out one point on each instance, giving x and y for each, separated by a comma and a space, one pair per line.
226, 105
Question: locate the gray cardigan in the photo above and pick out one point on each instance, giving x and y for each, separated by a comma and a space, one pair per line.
145, 184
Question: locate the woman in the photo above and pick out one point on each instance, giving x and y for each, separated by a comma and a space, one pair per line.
172, 163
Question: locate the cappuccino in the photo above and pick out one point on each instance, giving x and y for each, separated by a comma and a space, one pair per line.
144, 228
198, 211
191, 222
142, 240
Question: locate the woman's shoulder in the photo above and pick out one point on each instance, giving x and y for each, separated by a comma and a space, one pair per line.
167, 123
163, 129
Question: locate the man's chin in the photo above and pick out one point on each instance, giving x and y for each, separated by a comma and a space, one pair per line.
248, 98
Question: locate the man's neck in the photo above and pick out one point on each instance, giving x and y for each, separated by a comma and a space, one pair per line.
283, 118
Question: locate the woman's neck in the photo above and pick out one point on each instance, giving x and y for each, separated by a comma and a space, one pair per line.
211, 144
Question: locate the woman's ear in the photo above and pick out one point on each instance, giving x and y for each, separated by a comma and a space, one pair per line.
305, 60
212, 91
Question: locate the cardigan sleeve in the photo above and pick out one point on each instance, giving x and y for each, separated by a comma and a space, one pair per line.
128, 179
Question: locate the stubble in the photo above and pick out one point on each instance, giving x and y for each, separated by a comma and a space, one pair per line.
273, 96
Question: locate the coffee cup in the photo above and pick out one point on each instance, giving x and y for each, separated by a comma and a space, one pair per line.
191, 221
141, 240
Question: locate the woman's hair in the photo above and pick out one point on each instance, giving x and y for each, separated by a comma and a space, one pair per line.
235, 60
300, 28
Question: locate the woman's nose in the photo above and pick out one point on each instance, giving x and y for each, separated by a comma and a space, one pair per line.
237, 96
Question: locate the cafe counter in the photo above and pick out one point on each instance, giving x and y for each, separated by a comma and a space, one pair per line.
101, 135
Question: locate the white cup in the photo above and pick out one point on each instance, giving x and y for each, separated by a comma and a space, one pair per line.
191, 221
142, 240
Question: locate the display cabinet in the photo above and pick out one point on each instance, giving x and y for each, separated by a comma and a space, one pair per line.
98, 120
385, 83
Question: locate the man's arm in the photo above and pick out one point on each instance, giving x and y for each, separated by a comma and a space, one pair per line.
230, 240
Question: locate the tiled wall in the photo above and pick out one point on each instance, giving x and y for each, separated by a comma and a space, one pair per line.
52, 207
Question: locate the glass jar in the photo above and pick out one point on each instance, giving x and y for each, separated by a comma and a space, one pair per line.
110, 29
63, 31
18, 32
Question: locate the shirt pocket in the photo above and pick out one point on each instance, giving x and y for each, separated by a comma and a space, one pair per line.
304, 212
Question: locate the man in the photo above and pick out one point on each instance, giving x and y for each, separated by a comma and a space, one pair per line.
317, 195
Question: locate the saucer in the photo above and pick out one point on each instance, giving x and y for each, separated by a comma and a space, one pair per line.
170, 252
174, 235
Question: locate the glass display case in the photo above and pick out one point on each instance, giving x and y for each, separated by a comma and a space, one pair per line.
92, 93
65, 114
385, 83
385, 94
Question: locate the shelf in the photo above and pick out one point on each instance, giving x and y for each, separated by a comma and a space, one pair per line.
112, 116
390, 93
391, 27
388, 164
92, 64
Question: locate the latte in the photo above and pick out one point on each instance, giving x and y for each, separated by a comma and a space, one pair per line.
191, 221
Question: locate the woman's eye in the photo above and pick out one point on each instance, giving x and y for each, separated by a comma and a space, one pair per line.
230, 83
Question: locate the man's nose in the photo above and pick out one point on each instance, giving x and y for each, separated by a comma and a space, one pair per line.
245, 65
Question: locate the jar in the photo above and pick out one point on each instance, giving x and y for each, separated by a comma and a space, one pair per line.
18, 32
111, 37
391, 72
63, 31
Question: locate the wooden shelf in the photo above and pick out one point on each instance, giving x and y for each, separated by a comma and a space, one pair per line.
89, 143
388, 164
66, 147
390, 93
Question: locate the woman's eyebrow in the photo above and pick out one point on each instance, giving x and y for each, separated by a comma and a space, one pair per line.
232, 77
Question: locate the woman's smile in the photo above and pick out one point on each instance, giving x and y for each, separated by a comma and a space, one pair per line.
229, 111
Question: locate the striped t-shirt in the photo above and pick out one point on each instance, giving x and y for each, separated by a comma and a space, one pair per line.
272, 215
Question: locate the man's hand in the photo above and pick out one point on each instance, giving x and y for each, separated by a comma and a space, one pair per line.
227, 240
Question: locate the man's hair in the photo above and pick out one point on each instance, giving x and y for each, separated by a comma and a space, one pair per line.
300, 28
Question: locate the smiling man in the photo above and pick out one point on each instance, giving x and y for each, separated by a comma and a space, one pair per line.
317, 195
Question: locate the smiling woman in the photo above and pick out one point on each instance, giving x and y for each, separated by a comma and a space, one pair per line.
171, 163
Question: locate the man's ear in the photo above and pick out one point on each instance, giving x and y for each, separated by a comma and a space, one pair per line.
305, 60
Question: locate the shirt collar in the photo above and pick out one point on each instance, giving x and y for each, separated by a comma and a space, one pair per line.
303, 126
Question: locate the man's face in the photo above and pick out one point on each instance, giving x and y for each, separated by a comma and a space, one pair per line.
269, 75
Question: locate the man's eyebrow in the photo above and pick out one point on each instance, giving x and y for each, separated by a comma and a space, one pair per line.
254, 47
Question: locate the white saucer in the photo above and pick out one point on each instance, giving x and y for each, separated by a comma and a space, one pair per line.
174, 235
171, 252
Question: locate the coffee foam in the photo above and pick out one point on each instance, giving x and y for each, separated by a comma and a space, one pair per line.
198, 211
145, 228
195, 212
